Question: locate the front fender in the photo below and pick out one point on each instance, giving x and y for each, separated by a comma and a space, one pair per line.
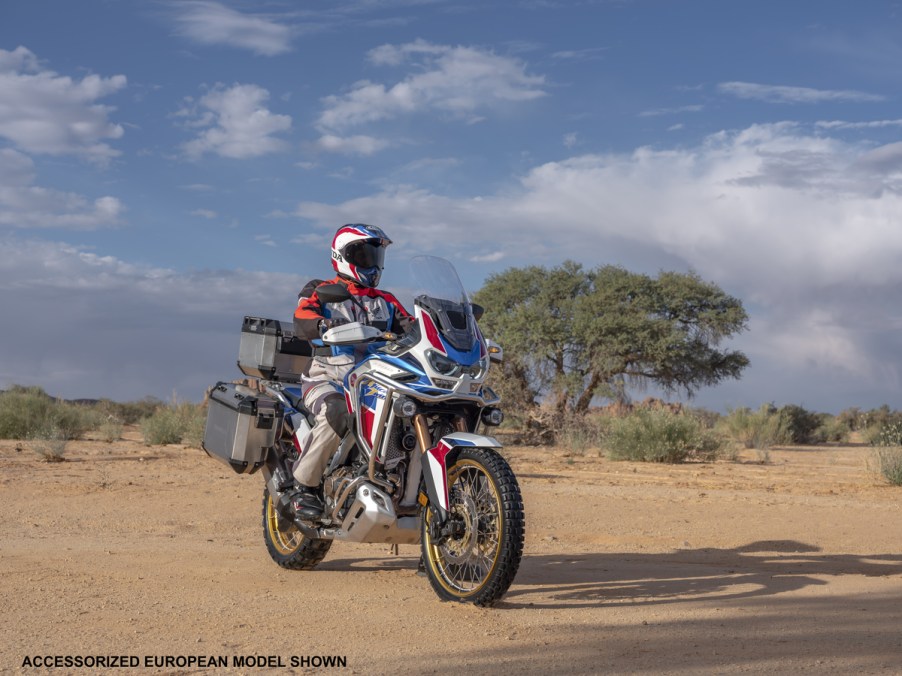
442, 456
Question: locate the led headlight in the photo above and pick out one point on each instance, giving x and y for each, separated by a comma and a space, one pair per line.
477, 370
441, 363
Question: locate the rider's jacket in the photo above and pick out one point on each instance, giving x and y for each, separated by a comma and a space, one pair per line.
373, 307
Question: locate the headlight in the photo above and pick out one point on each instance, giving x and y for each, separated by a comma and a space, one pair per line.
442, 364
478, 369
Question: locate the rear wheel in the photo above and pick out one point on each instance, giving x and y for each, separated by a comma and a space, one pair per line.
287, 545
478, 557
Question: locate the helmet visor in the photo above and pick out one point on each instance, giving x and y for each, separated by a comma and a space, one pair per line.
367, 254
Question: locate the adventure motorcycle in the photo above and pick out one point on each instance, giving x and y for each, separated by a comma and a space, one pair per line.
413, 467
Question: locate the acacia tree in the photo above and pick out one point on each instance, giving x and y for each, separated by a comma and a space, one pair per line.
572, 334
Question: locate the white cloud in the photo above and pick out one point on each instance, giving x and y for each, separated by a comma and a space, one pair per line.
25, 205
455, 81
493, 257
236, 123
784, 94
672, 111
211, 23
204, 213
351, 145
801, 226
871, 124
43, 112
158, 330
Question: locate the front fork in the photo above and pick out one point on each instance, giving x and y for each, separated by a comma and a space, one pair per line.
435, 470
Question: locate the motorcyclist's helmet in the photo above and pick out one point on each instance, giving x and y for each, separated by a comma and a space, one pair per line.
358, 253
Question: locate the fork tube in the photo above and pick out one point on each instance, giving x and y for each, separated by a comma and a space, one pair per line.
422, 430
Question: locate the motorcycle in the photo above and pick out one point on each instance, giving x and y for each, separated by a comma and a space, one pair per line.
415, 466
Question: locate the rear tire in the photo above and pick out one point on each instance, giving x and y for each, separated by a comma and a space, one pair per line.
287, 545
479, 563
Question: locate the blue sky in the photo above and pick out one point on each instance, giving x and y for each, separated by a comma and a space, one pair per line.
168, 167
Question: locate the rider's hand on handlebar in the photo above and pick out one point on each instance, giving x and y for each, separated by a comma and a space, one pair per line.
326, 324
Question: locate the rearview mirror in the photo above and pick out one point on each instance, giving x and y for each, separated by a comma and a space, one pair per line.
478, 311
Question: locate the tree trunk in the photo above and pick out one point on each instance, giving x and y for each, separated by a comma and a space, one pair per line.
582, 404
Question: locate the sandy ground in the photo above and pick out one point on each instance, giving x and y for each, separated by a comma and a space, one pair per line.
155, 552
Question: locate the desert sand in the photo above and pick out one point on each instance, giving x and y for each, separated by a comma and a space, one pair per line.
155, 552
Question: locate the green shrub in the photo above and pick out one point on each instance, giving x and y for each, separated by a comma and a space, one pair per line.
175, 424
879, 418
801, 425
110, 430
889, 434
762, 429
850, 418
889, 464
832, 428
28, 412
661, 436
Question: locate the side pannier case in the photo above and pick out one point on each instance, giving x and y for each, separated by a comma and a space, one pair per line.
242, 425
270, 350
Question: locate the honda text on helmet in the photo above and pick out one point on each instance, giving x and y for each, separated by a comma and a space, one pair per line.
358, 253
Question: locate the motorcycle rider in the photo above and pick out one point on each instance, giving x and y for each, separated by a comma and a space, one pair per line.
358, 254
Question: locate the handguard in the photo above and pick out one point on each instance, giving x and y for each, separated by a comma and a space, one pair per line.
352, 334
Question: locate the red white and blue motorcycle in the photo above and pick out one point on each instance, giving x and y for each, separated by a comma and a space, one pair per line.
415, 466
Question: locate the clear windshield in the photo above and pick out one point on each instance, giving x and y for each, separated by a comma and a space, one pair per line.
437, 288
436, 278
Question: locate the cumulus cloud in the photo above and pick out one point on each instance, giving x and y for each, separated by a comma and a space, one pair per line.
351, 145
159, 329
212, 23
799, 225
235, 123
784, 94
44, 112
25, 205
456, 81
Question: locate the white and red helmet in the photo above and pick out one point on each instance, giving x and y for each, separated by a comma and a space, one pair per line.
358, 253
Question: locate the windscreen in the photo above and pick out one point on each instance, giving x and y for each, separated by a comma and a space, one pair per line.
438, 289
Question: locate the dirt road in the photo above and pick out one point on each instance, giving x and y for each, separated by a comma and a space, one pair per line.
152, 553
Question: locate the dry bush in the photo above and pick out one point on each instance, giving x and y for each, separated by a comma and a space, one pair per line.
175, 424
49, 443
29, 412
659, 435
762, 429
888, 462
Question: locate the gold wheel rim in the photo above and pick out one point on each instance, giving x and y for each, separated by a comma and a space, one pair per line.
475, 554
287, 541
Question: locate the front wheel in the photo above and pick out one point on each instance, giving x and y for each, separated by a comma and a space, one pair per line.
287, 545
477, 559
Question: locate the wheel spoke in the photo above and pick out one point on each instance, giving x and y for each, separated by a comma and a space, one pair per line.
466, 562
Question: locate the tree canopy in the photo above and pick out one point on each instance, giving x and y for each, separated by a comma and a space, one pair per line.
571, 334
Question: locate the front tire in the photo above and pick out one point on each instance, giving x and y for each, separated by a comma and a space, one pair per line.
287, 545
477, 564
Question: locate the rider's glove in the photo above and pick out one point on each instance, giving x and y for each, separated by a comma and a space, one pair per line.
325, 324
